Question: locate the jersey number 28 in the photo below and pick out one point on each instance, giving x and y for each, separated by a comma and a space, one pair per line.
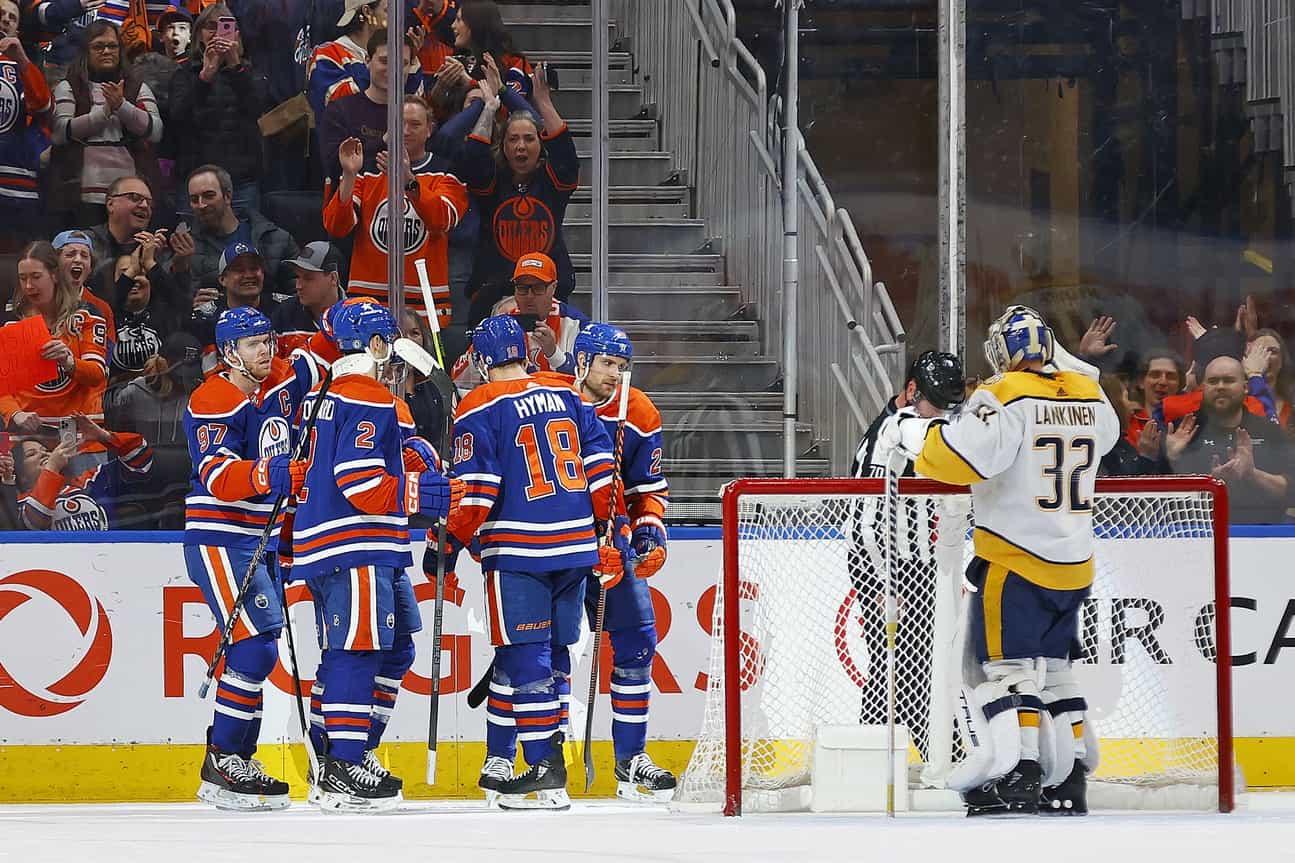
1065, 483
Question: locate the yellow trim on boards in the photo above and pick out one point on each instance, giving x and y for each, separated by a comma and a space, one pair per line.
163, 772
169, 773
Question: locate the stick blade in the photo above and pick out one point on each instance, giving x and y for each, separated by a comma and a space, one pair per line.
431, 767
589, 765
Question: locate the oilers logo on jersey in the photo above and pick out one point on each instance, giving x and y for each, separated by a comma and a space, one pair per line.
10, 109
413, 230
275, 437
79, 511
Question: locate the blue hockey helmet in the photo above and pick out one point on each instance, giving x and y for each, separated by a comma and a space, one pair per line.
242, 323
598, 338
355, 324
1018, 336
497, 341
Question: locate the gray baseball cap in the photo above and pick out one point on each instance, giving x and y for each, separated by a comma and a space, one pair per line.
318, 257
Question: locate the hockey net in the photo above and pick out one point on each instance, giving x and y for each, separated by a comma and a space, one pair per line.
803, 647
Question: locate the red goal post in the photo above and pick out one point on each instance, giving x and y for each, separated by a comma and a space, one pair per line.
1185, 510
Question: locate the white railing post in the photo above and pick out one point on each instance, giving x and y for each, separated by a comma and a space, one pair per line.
790, 254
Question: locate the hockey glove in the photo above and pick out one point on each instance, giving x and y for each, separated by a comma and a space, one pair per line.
419, 455
615, 554
429, 493
648, 542
278, 474
452, 592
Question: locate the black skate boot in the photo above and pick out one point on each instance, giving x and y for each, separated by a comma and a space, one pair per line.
639, 779
494, 773
390, 780
1015, 793
547, 780
229, 783
1068, 798
350, 787
272, 787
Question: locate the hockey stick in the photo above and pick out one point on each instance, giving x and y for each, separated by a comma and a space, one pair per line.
445, 387
482, 688
429, 303
621, 409
239, 600
297, 695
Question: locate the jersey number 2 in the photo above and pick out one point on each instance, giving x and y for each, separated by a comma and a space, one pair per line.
568, 467
1066, 485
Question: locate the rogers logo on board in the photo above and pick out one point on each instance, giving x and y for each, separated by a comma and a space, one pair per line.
91, 620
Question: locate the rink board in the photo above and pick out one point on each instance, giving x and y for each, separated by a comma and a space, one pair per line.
102, 645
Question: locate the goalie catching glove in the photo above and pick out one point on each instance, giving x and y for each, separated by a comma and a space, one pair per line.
614, 554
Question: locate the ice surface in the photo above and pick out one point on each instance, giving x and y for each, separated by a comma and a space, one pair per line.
463, 832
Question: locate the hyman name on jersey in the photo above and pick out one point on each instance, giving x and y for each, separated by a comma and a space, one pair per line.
1067, 415
542, 402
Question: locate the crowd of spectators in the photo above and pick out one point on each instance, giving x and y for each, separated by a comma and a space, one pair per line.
161, 162
1226, 413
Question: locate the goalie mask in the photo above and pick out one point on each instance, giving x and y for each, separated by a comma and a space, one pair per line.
1018, 336
233, 326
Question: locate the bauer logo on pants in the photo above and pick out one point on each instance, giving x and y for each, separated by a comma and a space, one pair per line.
53, 597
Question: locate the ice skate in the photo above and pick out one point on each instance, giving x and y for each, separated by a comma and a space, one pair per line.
352, 788
228, 782
1013, 794
547, 780
1068, 798
389, 779
639, 779
494, 773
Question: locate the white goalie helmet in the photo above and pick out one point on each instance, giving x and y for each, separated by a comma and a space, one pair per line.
1019, 335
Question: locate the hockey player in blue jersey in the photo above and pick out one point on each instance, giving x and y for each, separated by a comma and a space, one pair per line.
351, 544
238, 424
602, 354
538, 465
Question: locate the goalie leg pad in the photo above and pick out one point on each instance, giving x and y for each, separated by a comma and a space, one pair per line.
631, 687
1073, 733
998, 719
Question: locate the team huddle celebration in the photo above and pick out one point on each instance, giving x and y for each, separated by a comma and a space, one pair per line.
607, 418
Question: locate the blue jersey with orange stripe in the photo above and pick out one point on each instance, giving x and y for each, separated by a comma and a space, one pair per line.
88, 502
646, 490
227, 432
538, 465
351, 511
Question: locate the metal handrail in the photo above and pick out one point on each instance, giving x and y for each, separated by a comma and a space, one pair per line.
724, 128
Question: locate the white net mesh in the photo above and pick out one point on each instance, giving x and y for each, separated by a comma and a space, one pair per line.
812, 651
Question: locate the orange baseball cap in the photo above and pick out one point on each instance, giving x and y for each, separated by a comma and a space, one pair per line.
537, 266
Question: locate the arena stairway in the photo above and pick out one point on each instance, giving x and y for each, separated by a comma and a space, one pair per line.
697, 347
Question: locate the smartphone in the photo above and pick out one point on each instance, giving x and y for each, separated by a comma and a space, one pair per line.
551, 77
67, 432
226, 27
528, 322
182, 228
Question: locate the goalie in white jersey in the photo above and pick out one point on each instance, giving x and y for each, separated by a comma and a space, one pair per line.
1028, 442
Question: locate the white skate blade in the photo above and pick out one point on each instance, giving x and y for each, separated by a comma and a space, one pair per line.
492, 798
630, 791
555, 800
331, 801
223, 798
314, 795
